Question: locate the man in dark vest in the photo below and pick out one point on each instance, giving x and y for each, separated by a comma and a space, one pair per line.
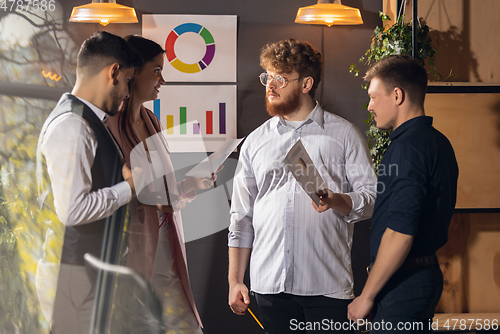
82, 161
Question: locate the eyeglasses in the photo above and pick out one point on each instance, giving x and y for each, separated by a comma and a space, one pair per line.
279, 80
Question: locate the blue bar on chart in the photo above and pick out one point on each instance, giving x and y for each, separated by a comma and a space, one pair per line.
222, 118
156, 108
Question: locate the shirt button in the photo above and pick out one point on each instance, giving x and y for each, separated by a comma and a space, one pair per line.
288, 251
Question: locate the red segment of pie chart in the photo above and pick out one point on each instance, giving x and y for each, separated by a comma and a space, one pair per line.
169, 45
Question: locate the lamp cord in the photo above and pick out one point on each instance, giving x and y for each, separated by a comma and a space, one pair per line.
323, 68
402, 9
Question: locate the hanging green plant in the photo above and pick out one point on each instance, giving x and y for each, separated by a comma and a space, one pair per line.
396, 39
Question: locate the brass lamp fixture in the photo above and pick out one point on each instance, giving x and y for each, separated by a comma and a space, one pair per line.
329, 13
104, 13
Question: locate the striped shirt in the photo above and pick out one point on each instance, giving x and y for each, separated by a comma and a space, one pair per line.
295, 249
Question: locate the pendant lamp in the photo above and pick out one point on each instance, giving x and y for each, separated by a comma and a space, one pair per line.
329, 13
104, 13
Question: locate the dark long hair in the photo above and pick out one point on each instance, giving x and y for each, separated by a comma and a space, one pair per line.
148, 50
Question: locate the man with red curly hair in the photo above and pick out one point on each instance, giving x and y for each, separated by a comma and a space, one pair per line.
300, 268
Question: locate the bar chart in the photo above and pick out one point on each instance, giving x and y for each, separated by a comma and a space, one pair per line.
197, 113
209, 120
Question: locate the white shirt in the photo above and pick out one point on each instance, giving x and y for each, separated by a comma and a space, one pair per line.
296, 249
69, 147
293, 124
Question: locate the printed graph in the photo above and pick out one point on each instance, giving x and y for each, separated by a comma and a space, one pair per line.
200, 48
193, 114
209, 120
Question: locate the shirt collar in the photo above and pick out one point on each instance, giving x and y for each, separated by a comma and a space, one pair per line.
316, 115
424, 120
98, 112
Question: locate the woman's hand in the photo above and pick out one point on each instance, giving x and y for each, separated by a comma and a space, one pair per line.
177, 203
200, 182
165, 208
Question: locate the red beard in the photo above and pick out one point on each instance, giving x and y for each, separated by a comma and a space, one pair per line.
286, 107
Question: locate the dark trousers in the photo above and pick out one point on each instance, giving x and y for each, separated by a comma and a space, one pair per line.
406, 304
284, 313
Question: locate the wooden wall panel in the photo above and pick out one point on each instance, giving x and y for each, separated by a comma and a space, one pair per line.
465, 33
472, 124
470, 264
483, 252
452, 259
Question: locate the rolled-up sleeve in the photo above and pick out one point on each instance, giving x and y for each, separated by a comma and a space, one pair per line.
361, 177
241, 232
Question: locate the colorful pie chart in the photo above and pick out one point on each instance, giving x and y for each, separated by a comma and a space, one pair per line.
209, 43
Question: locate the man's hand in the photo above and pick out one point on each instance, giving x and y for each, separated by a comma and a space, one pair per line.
341, 203
238, 298
393, 250
326, 197
127, 176
359, 309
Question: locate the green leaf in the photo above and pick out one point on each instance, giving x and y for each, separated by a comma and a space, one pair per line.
393, 40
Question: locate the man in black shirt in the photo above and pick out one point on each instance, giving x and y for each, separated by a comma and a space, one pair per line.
416, 197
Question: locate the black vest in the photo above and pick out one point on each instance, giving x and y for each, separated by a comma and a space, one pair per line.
106, 171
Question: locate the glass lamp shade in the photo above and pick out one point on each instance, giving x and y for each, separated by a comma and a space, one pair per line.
103, 13
329, 14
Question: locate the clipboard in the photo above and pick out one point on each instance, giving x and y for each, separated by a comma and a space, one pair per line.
301, 166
